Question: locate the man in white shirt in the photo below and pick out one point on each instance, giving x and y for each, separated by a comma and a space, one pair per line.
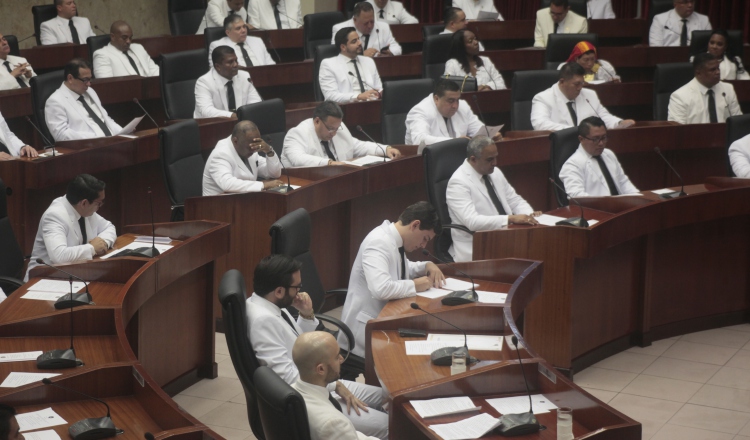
600, 9
275, 14
593, 170
454, 20
442, 116
557, 19
234, 166
74, 111
675, 27
15, 72
122, 57
377, 40
250, 51
218, 10
567, 103
705, 99
739, 157
392, 12
480, 198
70, 229
225, 88
11, 146
311, 143
349, 76
277, 284
382, 272
66, 27
472, 8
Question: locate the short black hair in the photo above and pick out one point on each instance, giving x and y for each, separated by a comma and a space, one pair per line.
274, 271
231, 18
84, 186
342, 36
450, 14
75, 65
425, 213
6, 412
326, 109
58, 3
559, 3
361, 7
701, 60
571, 69
445, 85
584, 128
220, 52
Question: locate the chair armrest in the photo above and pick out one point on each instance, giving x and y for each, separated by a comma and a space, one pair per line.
10, 284
459, 227
340, 291
343, 327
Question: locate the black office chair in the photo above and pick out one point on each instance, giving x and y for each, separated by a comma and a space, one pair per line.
11, 258
441, 160
181, 164
42, 86
563, 144
282, 409
434, 56
41, 14
270, 118
185, 16
318, 29
349, 7
580, 7
737, 128
656, 7
559, 47
95, 43
179, 72
13, 44
699, 42
322, 52
430, 30
212, 34
526, 85
398, 99
668, 78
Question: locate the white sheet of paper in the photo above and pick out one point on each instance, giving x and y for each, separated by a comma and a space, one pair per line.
454, 284
44, 296
491, 297
44, 418
147, 239
548, 220
629, 195
56, 286
662, 191
433, 293
444, 406
49, 154
134, 245
16, 379
491, 129
20, 356
131, 126
48, 434
421, 348
487, 15
475, 342
365, 160
128, 136
471, 428
519, 404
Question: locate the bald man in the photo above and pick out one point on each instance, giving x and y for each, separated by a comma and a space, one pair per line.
317, 357
122, 57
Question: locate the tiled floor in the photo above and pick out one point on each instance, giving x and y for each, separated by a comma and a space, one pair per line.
693, 387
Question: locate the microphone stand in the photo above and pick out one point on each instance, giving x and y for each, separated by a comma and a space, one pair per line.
459, 296
579, 222
673, 194
385, 155
281, 189
444, 356
51, 144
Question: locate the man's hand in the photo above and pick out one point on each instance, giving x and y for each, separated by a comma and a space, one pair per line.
385, 52
5, 156
625, 123
523, 219
335, 162
497, 137
370, 94
351, 401
258, 144
422, 283
234, 116
391, 152
484, 88
435, 275
20, 70
371, 52
29, 151
268, 184
303, 303
100, 246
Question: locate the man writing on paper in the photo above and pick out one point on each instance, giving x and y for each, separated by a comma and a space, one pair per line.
349, 76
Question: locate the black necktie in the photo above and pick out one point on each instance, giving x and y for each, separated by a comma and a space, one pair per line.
18, 78
231, 104
607, 176
334, 402
712, 118
4, 148
359, 77
95, 117
493, 195
573, 114
381, 13
289, 321
246, 161
556, 26
82, 225
367, 41
245, 55
132, 63
402, 251
328, 150
277, 16
73, 32
684, 35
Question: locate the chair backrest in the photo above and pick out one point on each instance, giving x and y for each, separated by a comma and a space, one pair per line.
13, 44
349, 7
398, 99
179, 72
282, 409
322, 52
441, 160
563, 144
11, 258
42, 86
434, 55
737, 128
212, 34
699, 42
429, 30
526, 85
318, 28
668, 78
185, 16
270, 117
559, 47
182, 160
580, 7
232, 296
97, 42
656, 7
41, 14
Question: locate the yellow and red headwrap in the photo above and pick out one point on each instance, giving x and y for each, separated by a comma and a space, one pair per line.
580, 49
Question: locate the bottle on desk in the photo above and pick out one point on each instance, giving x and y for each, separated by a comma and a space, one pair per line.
564, 423
458, 364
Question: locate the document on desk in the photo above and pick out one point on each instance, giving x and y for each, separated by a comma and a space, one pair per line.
663, 191
454, 284
47, 434
56, 286
490, 130
148, 239
551, 220
366, 160
421, 348
16, 379
443, 407
491, 297
433, 293
20, 356
160, 247
44, 296
44, 418
487, 16
131, 126
475, 342
471, 428
520, 404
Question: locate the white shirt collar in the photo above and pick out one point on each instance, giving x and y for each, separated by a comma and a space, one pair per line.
71, 209
703, 89
266, 304
220, 79
394, 233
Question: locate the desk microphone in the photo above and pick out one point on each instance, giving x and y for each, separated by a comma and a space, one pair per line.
281, 189
363, 82
459, 296
385, 155
481, 115
444, 356
72, 300
46, 141
289, 18
93, 428
726, 103
26, 38
592, 108
673, 194
689, 37
148, 436
579, 222
519, 424
99, 29
270, 43
491, 79
145, 252
147, 113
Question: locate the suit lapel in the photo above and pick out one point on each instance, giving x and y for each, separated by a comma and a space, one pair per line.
81, 112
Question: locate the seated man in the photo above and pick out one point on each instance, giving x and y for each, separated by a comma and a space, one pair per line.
11, 146
349, 76
675, 27
739, 157
392, 12
74, 111
705, 99
122, 57
567, 102
70, 229
250, 51
472, 8
311, 143
66, 27
9, 429
600, 10
593, 170
275, 14
225, 88
234, 166
15, 72
376, 36
277, 284
454, 20
218, 10
442, 116
480, 198
557, 19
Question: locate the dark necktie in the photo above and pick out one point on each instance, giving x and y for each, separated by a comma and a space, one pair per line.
573, 114
556, 26
245, 55
334, 402
607, 176
4, 148
493, 195
277, 16
381, 14
402, 251
246, 161
229, 14
18, 78
73, 32
359, 77
82, 225
712, 118
684, 34
132, 63
367, 41
289, 321
95, 117
328, 150
231, 104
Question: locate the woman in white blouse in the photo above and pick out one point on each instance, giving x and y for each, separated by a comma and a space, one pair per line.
464, 60
731, 66
597, 70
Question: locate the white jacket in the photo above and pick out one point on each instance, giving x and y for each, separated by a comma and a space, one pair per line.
739, 157
380, 37
254, 46
326, 422
9, 139
302, 146
689, 103
393, 13
666, 29
582, 177
225, 172
606, 71
600, 9
425, 123
211, 94
469, 204
262, 17
110, 62
7, 81
729, 70
573, 24
338, 85
472, 7
216, 12
57, 30
68, 120
487, 75
549, 109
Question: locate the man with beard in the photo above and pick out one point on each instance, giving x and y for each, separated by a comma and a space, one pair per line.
349, 76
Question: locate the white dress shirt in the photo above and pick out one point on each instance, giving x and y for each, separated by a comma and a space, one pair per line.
67, 119
8, 81
57, 30
446, 31
600, 9
380, 37
338, 78
9, 139
729, 71
582, 177
571, 24
425, 123
226, 172
393, 13
302, 147
216, 12
211, 94
689, 103
487, 74
255, 47
739, 157
549, 109
470, 205
666, 29
472, 8
605, 72
110, 62
58, 238
326, 422
262, 15
375, 280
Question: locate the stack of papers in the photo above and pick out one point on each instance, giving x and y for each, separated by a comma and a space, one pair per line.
550, 220
44, 418
22, 356
148, 239
452, 284
365, 160
421, 348
520, 404
15, 379
51, 290
471, 428
491, 297
48, 434
475, 342
135, 245
443, 407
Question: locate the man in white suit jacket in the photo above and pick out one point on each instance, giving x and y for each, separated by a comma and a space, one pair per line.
70, 229
11, 146
376, 36
557, 19
668, 27
234, 166
224, 89
122, 57
58, 30
593, 170
739, 157
471, 204
349, 76
691, 103
382, 272
472, 8
74, 111
237, 39
392, 12
218, 10
263, 14
15, 72
599, 9
312, 144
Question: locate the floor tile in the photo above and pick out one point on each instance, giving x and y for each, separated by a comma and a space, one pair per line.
741, 437
746, 430
708, 354
626, 361
732, 378
601, 379
740, 360
651, 413
657, 348
220, 357
239, 398
232, 434
221, 344
719, 337
226, 369
721, 397
604, 396
662, 388
712, 419
196, 406
674, 432
228, 415
221, 388
739, 327
681, 370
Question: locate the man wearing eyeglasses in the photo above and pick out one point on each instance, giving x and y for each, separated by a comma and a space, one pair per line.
675, 27
74, 111
593, 170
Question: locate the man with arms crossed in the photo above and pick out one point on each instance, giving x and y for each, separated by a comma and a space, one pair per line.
15, 72
349, 76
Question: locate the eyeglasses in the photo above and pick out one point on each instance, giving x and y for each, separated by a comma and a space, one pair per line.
330, 130
597, 140
84, 80
298, 287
